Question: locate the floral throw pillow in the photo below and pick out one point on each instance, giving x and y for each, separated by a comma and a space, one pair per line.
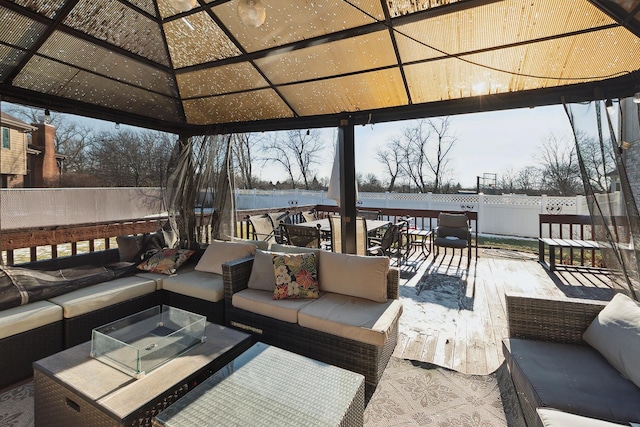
296, 276
166, 261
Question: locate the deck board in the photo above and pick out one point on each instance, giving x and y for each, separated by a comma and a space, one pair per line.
469, 339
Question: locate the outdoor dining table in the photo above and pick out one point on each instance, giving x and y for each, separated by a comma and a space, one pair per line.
372, 224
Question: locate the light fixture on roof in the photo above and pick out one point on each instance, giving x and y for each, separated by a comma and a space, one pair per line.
252, 13
183, 5
47, 116
609, 104
636, 97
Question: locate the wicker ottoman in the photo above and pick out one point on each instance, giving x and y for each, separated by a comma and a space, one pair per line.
270, 386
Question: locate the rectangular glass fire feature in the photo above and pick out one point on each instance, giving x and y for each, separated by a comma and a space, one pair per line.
143, 341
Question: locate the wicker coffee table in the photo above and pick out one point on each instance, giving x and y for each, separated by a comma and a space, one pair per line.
267, 386
74, 389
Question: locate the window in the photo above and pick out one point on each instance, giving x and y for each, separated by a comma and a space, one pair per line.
5, 138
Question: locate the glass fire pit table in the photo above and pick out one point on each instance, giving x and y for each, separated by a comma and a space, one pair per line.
72, 388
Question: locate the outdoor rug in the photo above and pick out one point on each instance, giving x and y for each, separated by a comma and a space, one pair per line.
419, 394
409, 394
16, 406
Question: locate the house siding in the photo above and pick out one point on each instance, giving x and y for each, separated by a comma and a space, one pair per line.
13, 161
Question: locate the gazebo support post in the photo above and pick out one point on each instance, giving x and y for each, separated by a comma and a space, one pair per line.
346, 145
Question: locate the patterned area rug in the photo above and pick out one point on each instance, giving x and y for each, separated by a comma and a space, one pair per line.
16, 406
416, 394
409, 394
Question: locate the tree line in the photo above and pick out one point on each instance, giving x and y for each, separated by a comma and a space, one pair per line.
417, 159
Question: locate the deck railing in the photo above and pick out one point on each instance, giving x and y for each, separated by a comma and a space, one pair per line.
32, 244
45, 242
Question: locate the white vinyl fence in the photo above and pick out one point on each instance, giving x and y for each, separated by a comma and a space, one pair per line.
45, 207
510, 215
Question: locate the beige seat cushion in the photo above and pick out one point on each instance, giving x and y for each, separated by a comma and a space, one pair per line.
349, 317
262, 302
197, 284
218, 252
159, 277
16, 320
105, 294
354, 275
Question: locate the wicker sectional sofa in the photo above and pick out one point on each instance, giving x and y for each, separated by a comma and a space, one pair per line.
574, 362
41, 328
353, 324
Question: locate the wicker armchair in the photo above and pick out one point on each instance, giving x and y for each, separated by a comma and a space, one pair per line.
553, 327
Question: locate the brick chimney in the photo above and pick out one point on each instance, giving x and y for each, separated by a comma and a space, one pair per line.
46, 172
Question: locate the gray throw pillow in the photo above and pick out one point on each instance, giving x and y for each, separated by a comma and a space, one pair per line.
128, 247
262, 275
615, 333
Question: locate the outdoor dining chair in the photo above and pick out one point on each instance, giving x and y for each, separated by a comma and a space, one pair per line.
299, 235
453, 231
262, 228
394, 243
278, 218
369, 214
336, 233
309, 216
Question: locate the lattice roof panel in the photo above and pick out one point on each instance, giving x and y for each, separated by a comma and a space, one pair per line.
312, 64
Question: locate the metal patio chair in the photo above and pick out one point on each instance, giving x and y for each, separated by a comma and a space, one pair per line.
299, 235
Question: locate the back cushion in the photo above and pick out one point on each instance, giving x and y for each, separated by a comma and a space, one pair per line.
260, 244
219, 252
460, 233
354, 275
288, 249
129, 247
615, 333
262, 275
452, 220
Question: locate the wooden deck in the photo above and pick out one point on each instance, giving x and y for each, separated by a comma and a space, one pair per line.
466, 335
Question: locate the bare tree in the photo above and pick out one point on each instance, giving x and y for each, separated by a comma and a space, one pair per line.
414, 142
391, 158
244, 147
598, 160
444, 144
528, 179
297, 151
425, 149
507, 181
369, 183
560, 171
130, 158
74, 141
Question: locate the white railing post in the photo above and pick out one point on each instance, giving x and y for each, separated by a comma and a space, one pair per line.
580, 202
481, 218
429, 200
543, 203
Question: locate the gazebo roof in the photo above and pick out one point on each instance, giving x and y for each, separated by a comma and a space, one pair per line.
312, 63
